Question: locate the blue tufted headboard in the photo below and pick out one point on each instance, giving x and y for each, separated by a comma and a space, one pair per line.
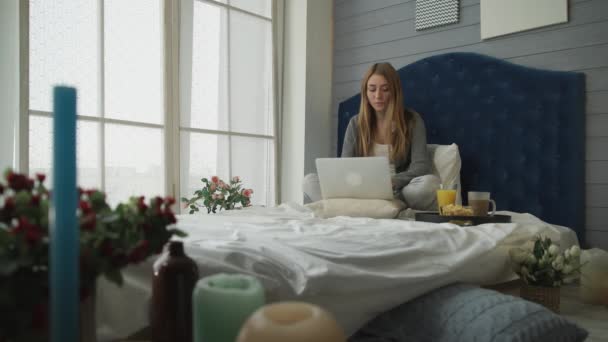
521, 131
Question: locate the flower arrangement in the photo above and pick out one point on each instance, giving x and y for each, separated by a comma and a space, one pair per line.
541, 263
110, 239
217, 194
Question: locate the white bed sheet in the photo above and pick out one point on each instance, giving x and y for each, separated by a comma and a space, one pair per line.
354, 267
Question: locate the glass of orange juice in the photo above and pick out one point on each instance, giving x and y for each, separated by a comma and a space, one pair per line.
445, 197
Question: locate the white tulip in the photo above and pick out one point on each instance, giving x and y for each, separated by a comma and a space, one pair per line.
567, 254
531, 259
575, 251
559, 259
553, 249
558, 266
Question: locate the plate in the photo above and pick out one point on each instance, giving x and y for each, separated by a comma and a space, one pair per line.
433, 216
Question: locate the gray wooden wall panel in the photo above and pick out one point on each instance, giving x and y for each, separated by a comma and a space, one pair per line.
597, 196
596, 172
597, 101
355, 7
597, 78
399, 30
597, 238
384, 30
597, 125
597, 219
597, 148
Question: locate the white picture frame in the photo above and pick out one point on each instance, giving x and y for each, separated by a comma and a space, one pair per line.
501, 17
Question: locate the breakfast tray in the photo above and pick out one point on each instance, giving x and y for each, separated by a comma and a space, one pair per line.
433, 216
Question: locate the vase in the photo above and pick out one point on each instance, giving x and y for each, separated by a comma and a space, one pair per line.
548, 297
87, 318
175, 275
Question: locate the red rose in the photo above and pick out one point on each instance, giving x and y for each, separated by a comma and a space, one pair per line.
19, 182
170, 200
9, 204
215, 179
40, 177
247, 193
106, 248
89, 222
85, 207
170, 216
141, 205
35, 200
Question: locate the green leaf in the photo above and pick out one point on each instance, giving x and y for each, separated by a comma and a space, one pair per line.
7, 267
178, 233
538, 249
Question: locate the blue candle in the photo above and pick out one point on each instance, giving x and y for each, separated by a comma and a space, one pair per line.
64, 271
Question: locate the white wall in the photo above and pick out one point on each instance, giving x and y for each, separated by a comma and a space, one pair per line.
319, 68
307, 96
9, 81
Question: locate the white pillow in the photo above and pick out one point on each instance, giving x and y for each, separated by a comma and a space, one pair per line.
374, 208
446, 166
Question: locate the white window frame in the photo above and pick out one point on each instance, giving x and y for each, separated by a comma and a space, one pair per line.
171, 126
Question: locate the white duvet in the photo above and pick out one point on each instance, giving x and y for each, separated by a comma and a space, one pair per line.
354, 267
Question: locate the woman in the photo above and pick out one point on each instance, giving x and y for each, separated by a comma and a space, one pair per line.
384, 127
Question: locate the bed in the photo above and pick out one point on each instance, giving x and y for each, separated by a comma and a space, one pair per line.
520, 133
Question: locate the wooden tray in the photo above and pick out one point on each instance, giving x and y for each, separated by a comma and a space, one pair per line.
433, 216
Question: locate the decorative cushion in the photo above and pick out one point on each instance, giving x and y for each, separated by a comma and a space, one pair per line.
374, 208
446, 166
467, 313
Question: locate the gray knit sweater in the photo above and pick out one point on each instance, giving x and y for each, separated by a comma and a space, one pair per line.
413, 164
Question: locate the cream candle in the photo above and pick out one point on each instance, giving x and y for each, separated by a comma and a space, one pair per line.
594, 276
222, 303
292, 322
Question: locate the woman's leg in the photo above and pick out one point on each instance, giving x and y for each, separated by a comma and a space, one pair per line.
420, 193
311, 188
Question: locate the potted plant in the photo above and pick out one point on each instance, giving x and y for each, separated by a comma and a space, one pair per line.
217, 195
110, 239
544, 268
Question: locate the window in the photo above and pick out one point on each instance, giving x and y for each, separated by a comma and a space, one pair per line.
227, 125
113, 52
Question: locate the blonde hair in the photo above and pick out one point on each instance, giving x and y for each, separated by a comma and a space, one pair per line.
401, 120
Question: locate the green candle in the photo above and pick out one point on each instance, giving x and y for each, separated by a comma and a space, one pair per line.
222, 303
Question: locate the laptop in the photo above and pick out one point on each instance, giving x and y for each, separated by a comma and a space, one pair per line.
360, 177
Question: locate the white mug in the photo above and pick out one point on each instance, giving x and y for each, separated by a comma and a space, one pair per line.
480, 201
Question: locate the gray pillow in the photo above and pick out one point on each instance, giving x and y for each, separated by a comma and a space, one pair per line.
467, 313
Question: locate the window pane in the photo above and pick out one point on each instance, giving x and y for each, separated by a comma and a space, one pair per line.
253, 162
134, 162
202, 156
250, 74
205, 73
133, 60
64, 49
87, 150
261, 7
41, 147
